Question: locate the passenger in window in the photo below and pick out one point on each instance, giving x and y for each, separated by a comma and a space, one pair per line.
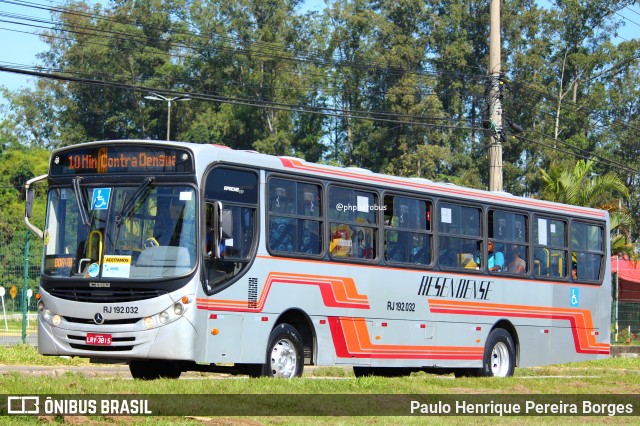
517, 265
574, 270
495, 262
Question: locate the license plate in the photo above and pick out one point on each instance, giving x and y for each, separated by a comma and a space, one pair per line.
98, 339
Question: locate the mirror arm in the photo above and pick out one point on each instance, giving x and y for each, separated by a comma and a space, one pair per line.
30, 196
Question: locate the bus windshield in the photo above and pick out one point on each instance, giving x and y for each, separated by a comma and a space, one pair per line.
140, 232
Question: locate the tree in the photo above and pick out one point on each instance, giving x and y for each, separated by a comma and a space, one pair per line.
130, 44
582, 187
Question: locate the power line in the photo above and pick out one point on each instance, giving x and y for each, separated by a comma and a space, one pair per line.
581, 153
380, 117
588, 156
342, 113
262, 47
120, 36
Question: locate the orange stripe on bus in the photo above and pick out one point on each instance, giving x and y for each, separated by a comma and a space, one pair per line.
337, 292
352, 340
580, 319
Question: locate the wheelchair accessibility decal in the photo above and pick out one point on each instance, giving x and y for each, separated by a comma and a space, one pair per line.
100, 198
575, 297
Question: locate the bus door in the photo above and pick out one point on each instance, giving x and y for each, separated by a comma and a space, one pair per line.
231, 201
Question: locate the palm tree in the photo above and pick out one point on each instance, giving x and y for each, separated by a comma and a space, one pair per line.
582, 187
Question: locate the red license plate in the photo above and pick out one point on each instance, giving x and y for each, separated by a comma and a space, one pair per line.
98, 339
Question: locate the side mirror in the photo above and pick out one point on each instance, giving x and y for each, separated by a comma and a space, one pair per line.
30, 196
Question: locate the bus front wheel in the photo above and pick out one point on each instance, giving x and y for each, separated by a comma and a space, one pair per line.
499, 355
284, 353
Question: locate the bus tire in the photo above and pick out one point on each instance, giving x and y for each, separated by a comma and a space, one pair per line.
152, 370
499, 355
284, 353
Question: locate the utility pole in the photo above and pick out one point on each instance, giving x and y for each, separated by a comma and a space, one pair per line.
495, 105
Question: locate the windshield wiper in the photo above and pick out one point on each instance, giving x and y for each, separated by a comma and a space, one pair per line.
81, 201
127, 207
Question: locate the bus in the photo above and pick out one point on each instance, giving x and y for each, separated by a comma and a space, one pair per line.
177, 257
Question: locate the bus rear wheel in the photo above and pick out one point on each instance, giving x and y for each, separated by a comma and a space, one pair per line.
284, 353
499, 355
154, 369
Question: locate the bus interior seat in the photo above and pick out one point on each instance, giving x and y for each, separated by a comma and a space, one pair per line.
465, 260
557, 265
541, 262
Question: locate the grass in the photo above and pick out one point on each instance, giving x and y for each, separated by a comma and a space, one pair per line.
603, 377
28, 355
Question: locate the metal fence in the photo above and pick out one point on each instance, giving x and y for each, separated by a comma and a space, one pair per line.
19, 274
626, 312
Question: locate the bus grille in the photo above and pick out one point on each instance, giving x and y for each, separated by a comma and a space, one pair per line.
106, 321
101, 348
113, 295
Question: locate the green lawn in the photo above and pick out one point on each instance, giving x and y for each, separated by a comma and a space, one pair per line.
619, 376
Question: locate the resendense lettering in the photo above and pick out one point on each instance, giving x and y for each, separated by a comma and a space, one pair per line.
456, 288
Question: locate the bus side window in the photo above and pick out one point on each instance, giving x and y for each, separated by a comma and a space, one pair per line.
407, 236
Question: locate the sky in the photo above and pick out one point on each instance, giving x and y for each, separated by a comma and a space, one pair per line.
19, 46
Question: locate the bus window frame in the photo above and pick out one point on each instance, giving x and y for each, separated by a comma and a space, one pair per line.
321, 219
377, 227
602, 253
431, 231
535, 245
493, 208
482, 237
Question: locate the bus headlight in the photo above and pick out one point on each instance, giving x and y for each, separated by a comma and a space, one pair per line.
171, 314
178, 309
48, 316
40, 306
149, 322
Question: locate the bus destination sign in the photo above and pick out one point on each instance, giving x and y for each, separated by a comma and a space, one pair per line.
121, 159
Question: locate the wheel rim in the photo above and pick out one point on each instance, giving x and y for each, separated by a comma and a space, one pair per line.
500, 360
284, 359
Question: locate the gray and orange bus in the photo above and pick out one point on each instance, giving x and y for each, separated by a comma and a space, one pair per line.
175, 257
